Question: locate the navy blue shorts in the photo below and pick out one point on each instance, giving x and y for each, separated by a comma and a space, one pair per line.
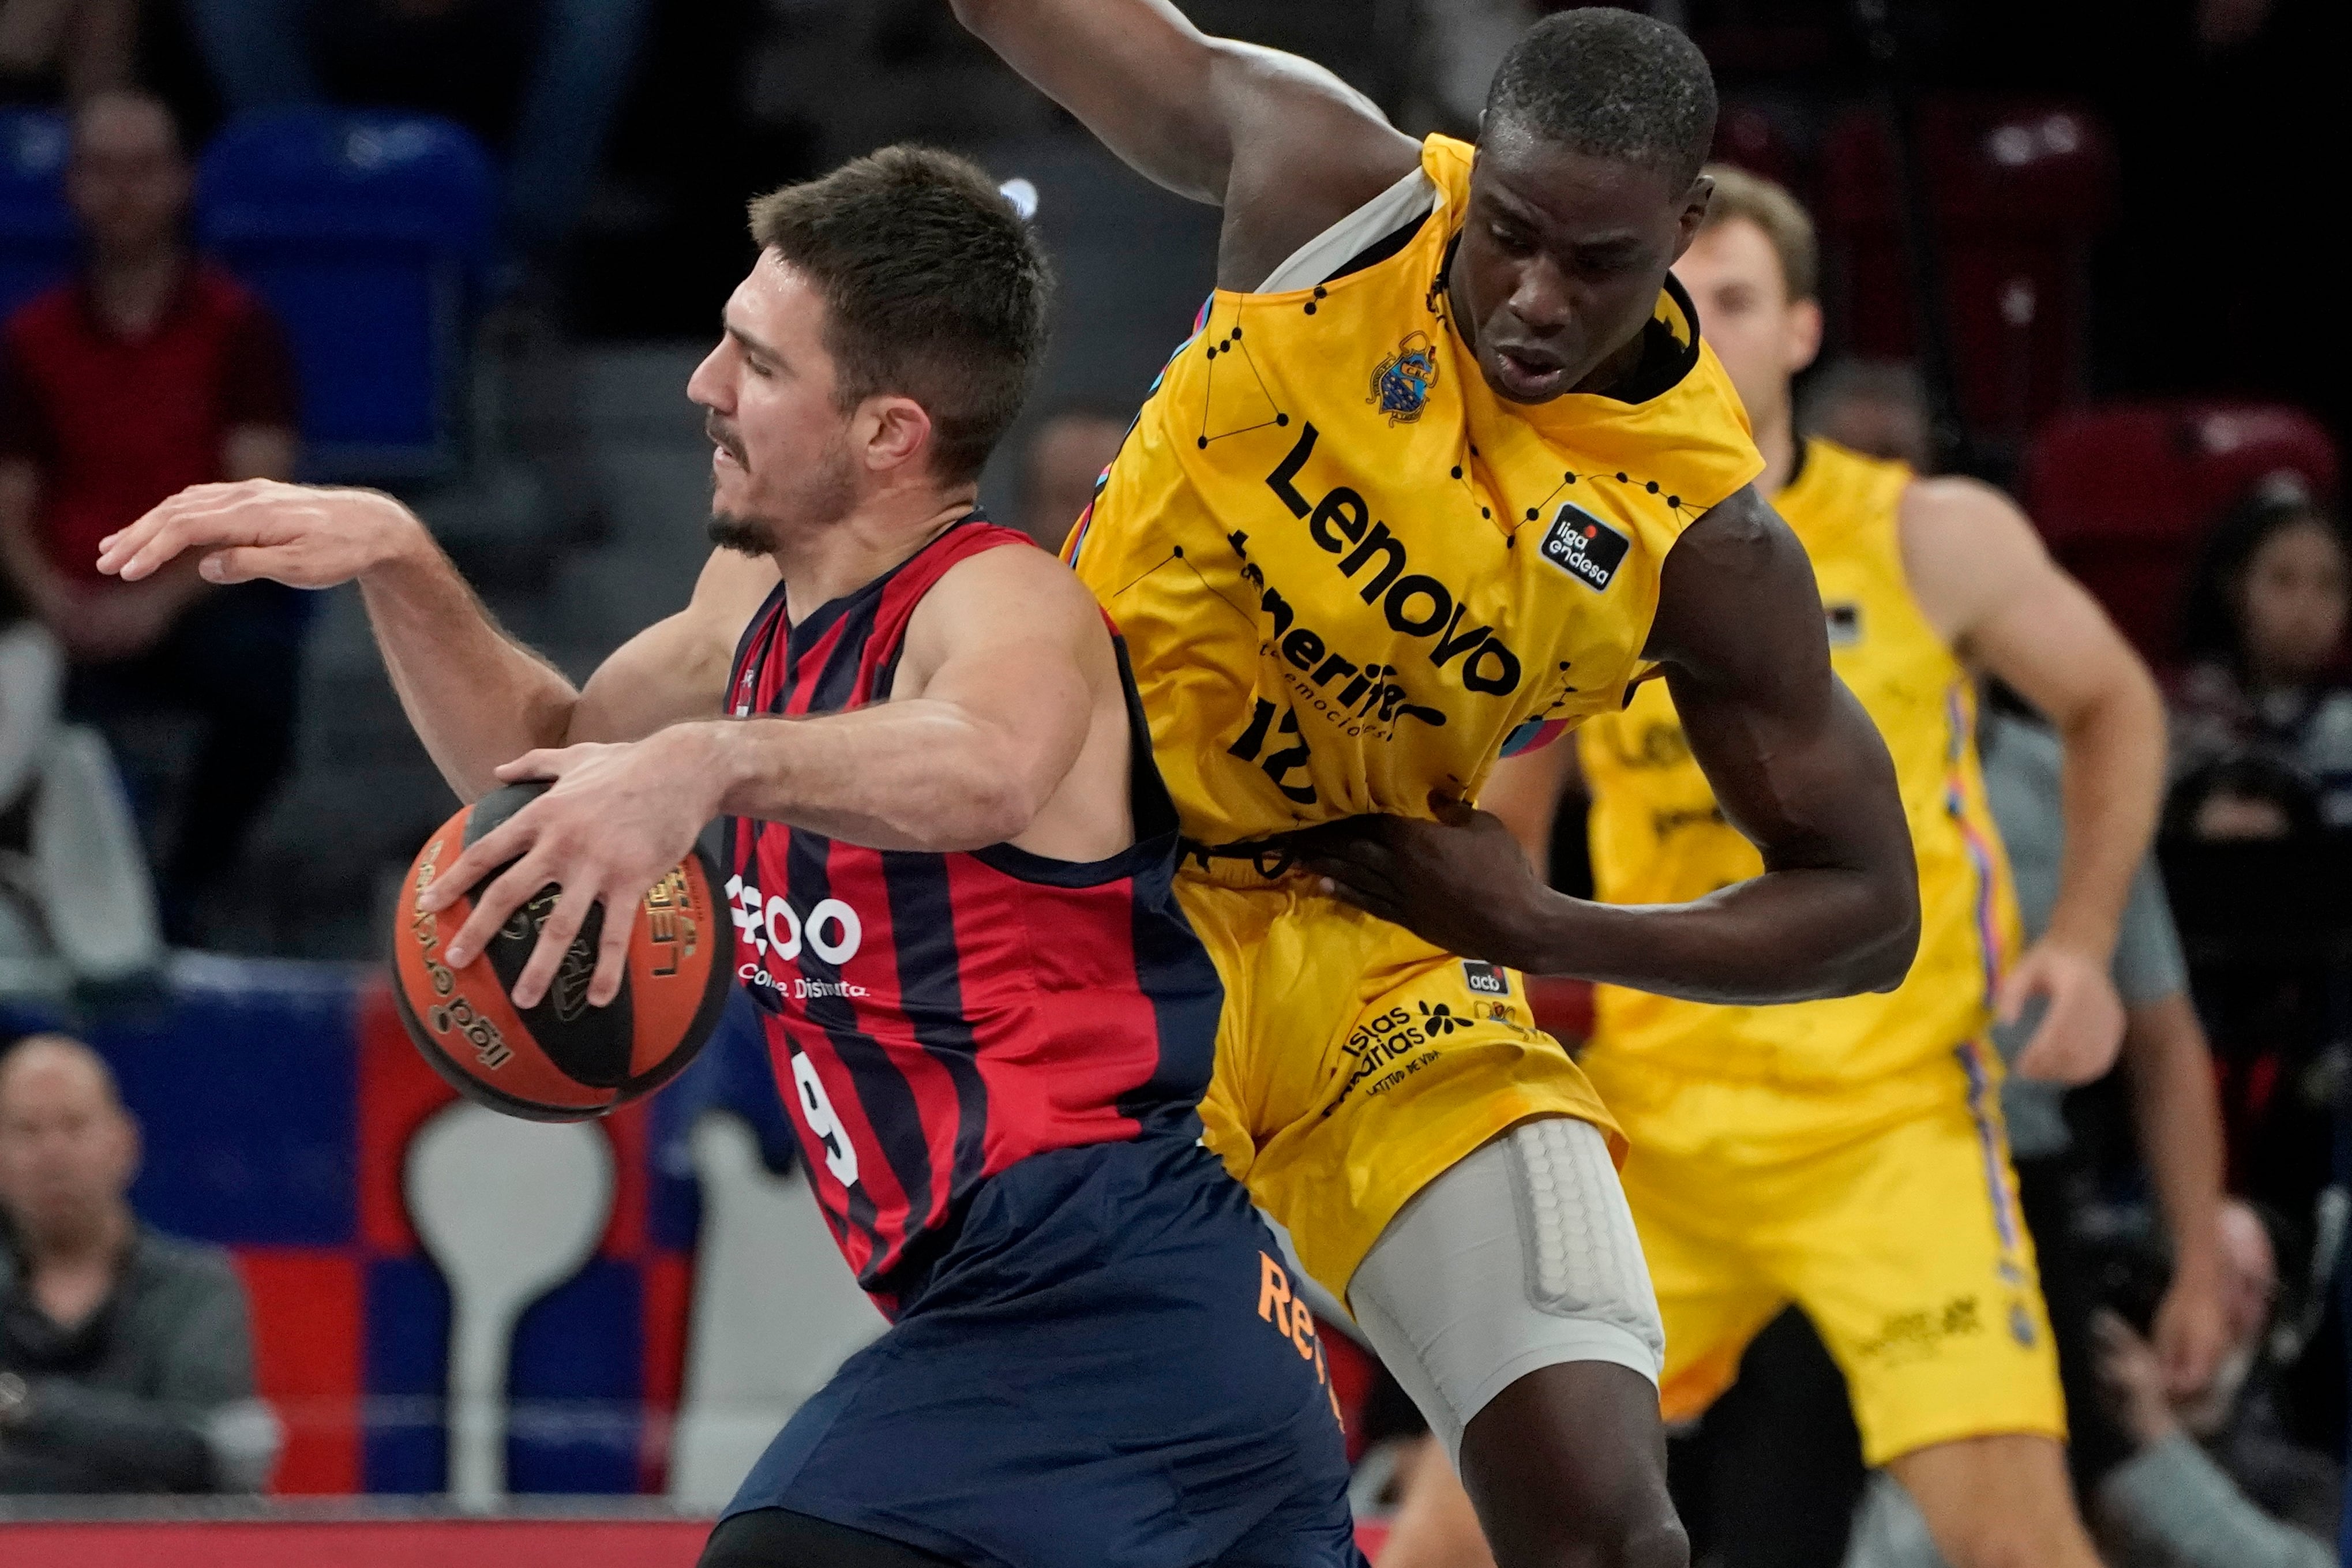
1103, 1371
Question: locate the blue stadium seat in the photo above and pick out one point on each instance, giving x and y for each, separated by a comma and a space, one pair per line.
36, 233
370, 234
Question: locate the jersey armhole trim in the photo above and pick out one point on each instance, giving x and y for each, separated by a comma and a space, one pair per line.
1402, 206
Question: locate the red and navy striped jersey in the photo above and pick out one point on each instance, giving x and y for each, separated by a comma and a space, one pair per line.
933, 1018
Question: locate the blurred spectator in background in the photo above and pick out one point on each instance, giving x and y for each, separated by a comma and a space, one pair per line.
2214, 1482
73, 885
1876, 407
65, 50
539, 80
150, 373
126, 1358
2263, 630
2240, 799
1058, 470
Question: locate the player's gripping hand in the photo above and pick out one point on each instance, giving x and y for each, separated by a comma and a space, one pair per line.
305, 536
617, 818
2083, 1026
1458, 883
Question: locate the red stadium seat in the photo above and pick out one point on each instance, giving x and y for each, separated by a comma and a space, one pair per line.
2017, 193
2125, 493
1748, 138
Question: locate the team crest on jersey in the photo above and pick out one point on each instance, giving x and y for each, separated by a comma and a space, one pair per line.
1401, 386
1584, 547
1844, 623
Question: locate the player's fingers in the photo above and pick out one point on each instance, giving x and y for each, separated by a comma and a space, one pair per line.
496, 901
1370, 900
544, 763
2017, 987
555, 936
1344, 870
492, 850
247, 562
613, 950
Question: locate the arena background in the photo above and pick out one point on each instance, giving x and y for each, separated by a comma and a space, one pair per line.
2089, 224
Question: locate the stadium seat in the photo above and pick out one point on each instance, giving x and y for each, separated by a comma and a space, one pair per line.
1748, 137
2017, 194
37, 232
2125, 493
370, 234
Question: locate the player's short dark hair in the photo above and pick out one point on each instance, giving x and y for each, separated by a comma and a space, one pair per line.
1612, 83
934, 289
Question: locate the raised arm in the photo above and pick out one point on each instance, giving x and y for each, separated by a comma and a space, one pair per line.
1286, 148
477, 697
1795, 763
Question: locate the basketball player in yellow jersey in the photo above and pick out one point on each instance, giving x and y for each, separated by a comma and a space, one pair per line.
1444, 464
1848, 1154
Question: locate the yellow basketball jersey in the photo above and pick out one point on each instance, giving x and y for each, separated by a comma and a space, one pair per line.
1348, 573
1658, 836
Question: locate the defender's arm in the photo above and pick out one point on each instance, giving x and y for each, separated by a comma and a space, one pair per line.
1794, 761
1283, 146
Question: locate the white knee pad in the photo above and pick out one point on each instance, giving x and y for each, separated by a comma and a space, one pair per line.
1521, 1256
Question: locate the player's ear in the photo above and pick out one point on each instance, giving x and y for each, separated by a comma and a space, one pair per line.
1694, 213
889, 431
1804, 333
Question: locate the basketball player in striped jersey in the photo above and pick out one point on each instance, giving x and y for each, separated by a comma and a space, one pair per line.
951, 861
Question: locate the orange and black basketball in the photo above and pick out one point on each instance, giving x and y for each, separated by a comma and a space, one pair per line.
562, 1060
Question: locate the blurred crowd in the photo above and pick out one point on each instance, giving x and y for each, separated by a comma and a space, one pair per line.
152, 367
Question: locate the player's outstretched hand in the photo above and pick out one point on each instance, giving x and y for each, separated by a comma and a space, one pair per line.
2082, 1027
1458, 883
301, 535
617, 818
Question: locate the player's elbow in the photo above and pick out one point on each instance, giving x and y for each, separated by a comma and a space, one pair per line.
1881, 961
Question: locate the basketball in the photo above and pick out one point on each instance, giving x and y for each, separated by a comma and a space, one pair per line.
563, 1060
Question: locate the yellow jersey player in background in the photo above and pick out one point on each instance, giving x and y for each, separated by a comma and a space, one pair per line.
1848, 1154
1445, 465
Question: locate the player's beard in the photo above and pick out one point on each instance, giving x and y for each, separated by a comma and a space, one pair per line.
823, 493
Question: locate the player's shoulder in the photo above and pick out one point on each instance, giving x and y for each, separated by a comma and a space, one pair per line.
1954, 514
1009, 587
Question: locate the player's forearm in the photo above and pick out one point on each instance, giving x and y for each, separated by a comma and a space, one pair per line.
475, 697
913, 774
2177, 1118
1135, 72
1794, 935
2111, 785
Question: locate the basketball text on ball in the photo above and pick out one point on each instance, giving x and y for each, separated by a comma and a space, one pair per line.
670, 921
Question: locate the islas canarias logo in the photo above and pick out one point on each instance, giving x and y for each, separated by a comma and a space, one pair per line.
1401, 386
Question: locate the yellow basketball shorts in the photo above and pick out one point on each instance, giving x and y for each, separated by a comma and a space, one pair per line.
1899, 1235
1356, 1063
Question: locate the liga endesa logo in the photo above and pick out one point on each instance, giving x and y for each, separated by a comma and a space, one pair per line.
1584, 547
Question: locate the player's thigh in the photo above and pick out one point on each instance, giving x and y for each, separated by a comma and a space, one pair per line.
1383, 1063
1913, 1262
778, 1538
2004, 1501
1510, 1298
